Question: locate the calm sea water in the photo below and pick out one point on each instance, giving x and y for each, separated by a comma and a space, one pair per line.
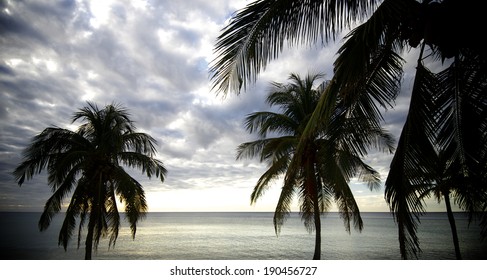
241, 236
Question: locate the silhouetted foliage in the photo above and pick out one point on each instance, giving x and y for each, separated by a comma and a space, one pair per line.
320, 175
444, 138
88, 164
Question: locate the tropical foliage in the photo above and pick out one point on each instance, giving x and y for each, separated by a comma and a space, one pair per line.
442, 148
332, 156
89, 164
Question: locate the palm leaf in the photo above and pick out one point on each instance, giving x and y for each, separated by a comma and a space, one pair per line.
412, 168
259, 32
130, 191
275, 170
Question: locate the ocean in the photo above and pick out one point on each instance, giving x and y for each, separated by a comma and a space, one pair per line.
241, 236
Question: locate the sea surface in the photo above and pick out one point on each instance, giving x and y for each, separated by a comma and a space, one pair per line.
240, 236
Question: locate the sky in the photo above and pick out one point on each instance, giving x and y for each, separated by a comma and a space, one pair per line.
152, 57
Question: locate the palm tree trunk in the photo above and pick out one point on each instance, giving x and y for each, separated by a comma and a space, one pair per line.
402, 239
94, 218
89, 240
317, 217
313, 187
453, 226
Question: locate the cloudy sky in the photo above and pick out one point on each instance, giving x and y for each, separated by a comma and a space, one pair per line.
152, 57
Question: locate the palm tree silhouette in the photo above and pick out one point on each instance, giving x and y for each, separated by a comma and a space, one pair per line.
441, 150
89, 164
367, 76
330, 160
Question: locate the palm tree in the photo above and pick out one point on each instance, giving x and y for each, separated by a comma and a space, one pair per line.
451, 145
89, 164
367, 75
330, 161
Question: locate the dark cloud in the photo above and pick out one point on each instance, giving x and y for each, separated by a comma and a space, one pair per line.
12, 27
7, 71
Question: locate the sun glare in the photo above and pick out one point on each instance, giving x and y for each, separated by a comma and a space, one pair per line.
100, 11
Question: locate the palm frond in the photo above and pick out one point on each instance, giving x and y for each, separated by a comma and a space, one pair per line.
251, 149
148, 165
275, 170
306, 207
258, 33
347, 206
38, 155
269, 149
79, 204
335, 172
54, 203
283, 207
139, 143
269, 122
131, 192
412, 168
461, 106
112, 215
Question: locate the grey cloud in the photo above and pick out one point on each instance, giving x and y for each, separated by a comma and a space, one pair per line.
5, 70
7, 166
162, 85
13, 27
19, 24
124, 64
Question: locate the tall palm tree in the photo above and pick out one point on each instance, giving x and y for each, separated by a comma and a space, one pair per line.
89, 164
331, 159
367, 75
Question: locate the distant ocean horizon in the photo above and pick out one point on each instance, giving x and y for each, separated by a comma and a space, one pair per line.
241, 236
